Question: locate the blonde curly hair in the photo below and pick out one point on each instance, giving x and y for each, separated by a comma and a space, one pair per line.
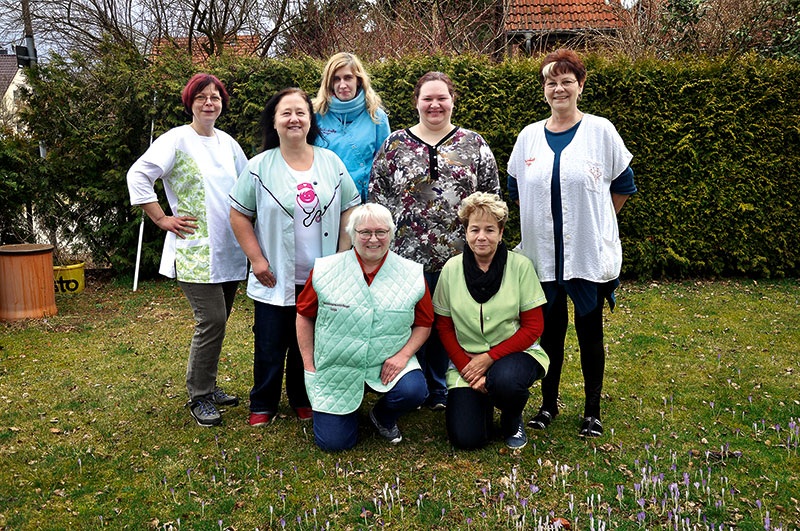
485, 203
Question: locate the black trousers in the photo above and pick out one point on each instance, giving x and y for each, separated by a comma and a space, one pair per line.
470, 414
589, 329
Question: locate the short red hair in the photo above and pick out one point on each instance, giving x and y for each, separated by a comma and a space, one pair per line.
196, 85
565, 61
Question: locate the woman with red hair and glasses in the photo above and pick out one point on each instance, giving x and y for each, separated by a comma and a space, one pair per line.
570, 175
198, 165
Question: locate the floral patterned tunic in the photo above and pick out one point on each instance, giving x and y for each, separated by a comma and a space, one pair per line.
422, 185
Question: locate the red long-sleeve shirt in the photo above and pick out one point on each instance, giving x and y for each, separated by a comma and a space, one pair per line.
531, 327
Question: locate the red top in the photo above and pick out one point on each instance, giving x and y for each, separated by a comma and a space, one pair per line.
307, 302
531, 326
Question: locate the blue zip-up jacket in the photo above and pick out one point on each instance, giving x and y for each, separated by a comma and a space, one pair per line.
348, 130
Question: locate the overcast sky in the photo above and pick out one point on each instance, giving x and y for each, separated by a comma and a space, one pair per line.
9, 33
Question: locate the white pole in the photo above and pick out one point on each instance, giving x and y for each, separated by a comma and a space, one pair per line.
138, 254
141, 225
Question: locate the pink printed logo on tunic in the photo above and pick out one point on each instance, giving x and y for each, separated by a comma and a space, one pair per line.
308, 201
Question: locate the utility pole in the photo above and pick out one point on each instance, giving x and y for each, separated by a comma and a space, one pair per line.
26, 55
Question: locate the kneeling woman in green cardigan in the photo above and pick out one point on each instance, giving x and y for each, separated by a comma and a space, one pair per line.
489, 317
361, 318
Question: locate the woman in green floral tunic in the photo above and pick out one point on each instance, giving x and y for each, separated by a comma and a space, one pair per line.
198, 165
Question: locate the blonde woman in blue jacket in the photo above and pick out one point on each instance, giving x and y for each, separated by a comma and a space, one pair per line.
351, 117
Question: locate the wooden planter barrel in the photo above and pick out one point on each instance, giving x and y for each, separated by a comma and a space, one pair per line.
26, 282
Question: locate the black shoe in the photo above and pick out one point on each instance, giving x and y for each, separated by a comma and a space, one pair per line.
392, 434
591, 427
221, 398
542, 419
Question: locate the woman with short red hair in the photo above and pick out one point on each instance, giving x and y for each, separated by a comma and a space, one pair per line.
570, 175
198, 165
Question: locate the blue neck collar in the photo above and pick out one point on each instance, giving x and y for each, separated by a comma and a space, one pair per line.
352, 107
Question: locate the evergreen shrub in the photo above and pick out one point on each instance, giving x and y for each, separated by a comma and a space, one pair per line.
715, 142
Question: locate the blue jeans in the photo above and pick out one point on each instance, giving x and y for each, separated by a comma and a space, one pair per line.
433, 358
275, 335
470, 413
333, 433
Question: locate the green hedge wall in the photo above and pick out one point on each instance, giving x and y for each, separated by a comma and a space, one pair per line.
716, 142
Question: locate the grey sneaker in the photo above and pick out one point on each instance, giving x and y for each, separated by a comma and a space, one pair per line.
518, 439
437, 406
221, 398
205, 412
392, 434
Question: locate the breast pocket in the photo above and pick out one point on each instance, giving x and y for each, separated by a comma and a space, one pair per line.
393, 320
593, 176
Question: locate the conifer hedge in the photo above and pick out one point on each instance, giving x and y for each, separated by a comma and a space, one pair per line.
716, 142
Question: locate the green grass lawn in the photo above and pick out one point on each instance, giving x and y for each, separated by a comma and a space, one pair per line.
701, 410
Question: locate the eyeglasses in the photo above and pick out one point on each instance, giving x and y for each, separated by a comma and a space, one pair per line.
567, 84
202, 99
367, 234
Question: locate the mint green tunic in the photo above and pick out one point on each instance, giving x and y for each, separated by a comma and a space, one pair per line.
482, 326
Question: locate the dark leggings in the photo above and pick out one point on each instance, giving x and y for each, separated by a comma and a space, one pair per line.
589, 329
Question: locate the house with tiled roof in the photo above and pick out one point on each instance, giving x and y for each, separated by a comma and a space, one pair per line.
11, 82
239, 45
538, 24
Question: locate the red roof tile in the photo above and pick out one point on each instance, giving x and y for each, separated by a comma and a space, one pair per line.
561, 15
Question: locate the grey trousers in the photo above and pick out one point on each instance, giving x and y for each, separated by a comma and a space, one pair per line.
211, 304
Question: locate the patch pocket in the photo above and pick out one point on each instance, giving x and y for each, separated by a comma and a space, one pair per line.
193, 264
311, 391
394, 320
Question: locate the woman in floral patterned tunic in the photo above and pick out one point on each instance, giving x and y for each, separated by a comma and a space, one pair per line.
422, 174
198, 165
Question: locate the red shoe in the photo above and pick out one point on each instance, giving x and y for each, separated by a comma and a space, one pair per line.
304, 413
260, 419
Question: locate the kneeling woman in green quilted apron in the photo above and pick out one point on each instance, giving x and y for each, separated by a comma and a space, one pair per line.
360, 320
488, 313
